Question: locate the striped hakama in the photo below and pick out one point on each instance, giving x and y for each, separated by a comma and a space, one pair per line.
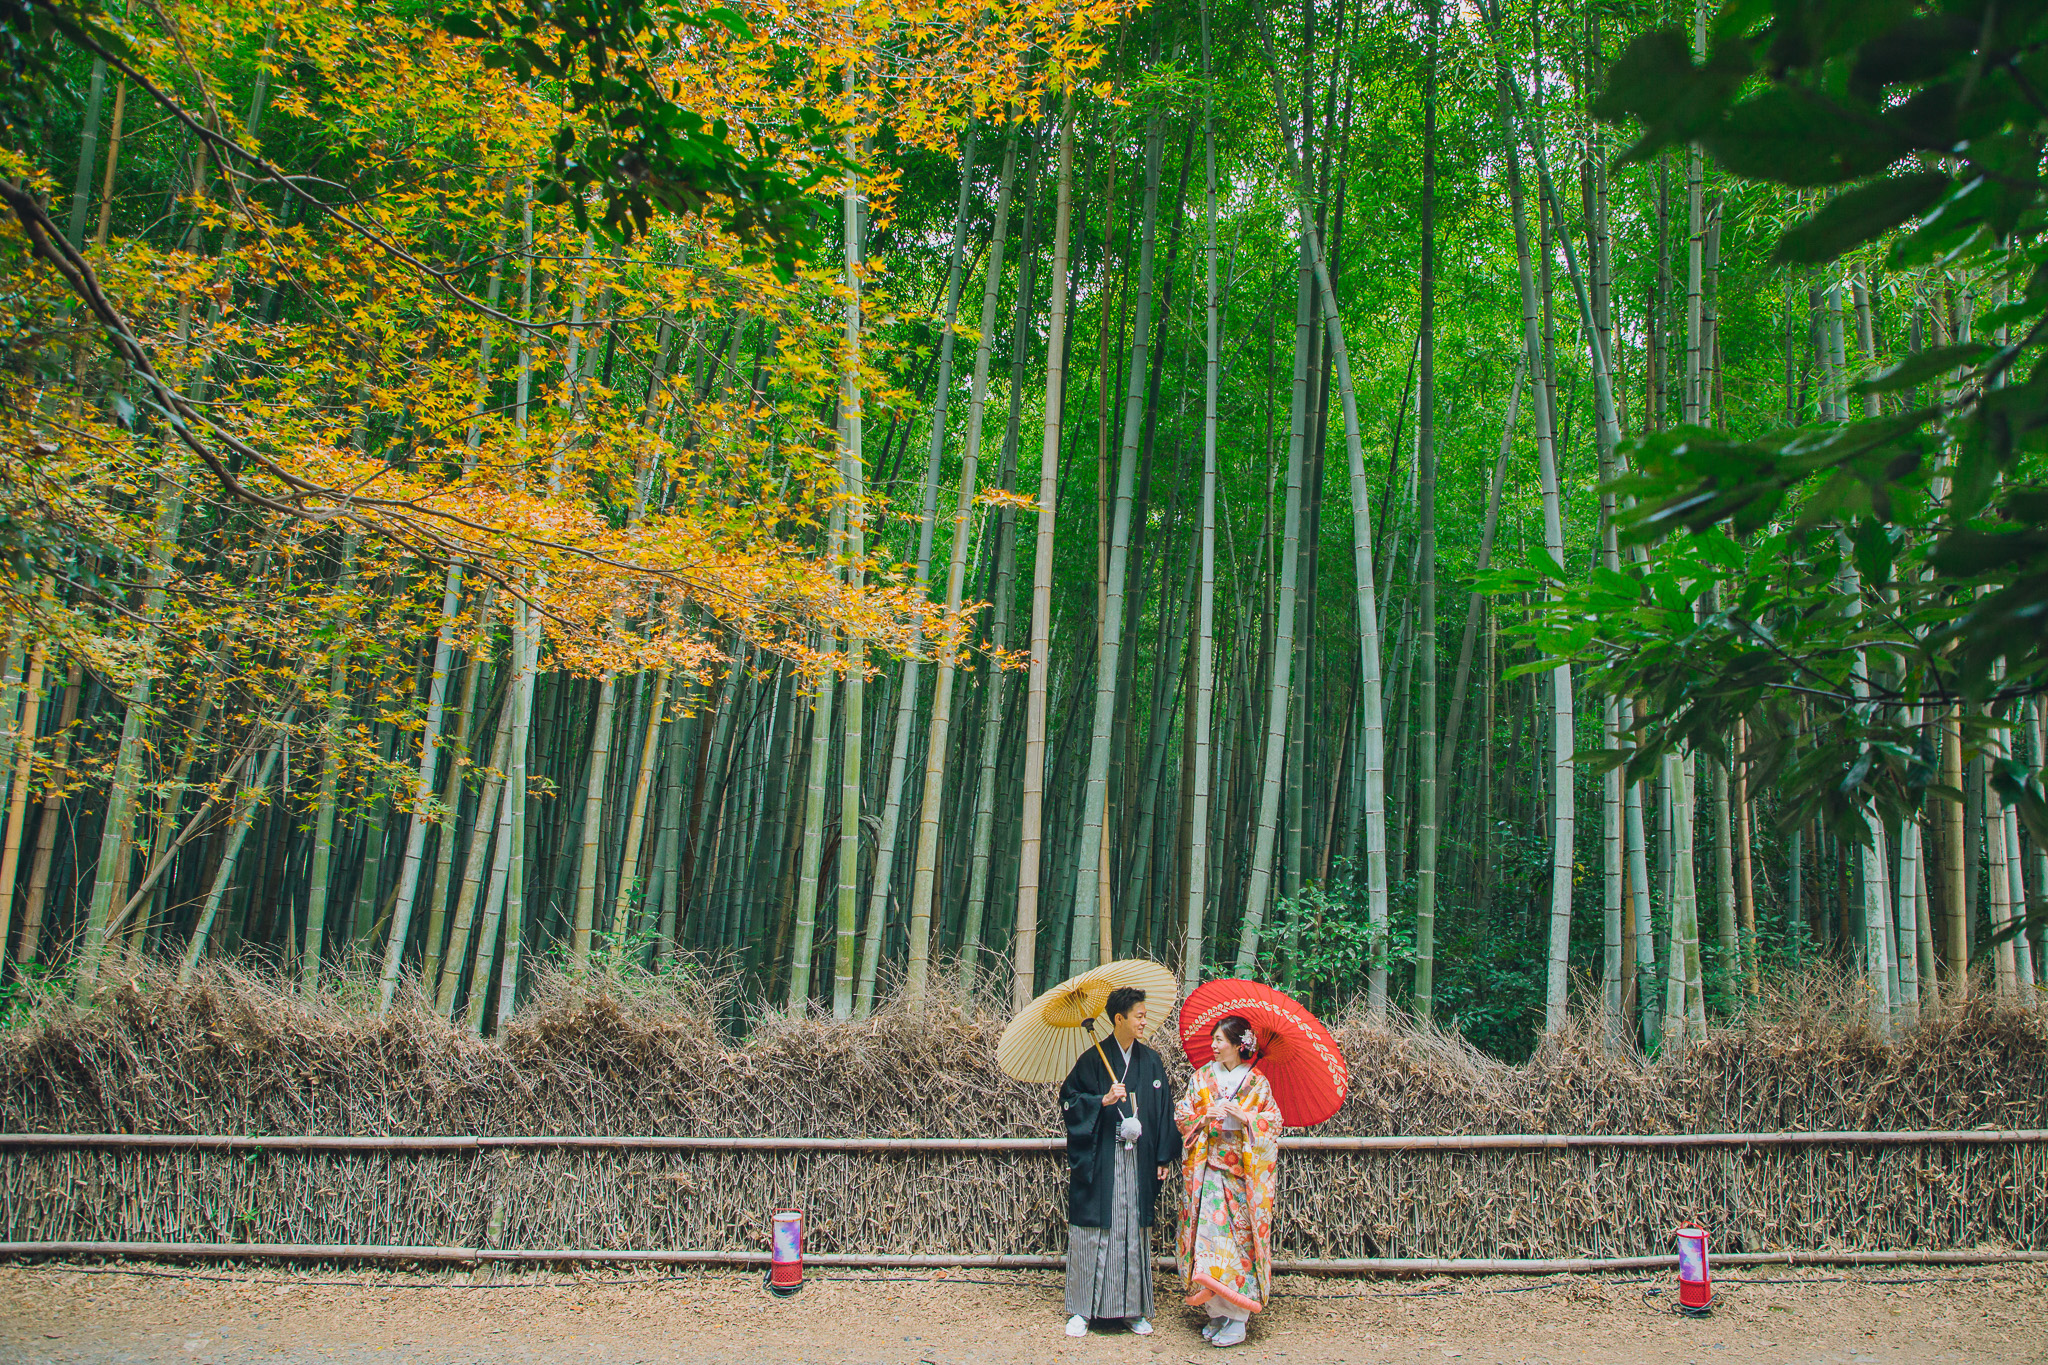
1109, 1270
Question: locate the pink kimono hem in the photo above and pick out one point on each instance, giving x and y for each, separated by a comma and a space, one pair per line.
1209, 1289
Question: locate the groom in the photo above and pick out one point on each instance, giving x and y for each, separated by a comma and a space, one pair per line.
1121, 1138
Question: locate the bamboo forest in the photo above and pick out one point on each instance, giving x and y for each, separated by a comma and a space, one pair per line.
1495, 511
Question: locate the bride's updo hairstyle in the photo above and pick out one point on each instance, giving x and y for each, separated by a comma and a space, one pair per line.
1238, 1030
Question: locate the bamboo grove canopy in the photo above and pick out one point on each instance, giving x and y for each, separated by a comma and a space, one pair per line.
829, 499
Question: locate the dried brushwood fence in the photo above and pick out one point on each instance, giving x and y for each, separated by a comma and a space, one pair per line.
228, 1056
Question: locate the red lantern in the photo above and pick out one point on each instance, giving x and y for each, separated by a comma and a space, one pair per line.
786, 1252
1695, 1284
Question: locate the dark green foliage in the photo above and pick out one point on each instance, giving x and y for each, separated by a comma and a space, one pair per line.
35, 38
1860, 215
1866, 100
642, 152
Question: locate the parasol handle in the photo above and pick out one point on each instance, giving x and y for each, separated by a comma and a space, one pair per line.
1089, 1024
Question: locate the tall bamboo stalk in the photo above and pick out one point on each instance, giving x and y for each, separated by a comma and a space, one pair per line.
1362, 554
483, 966
1695, 176
1461, 679
248, 801
17, 798
423, 789
113, 159
1281, 651
1563, 722
1197, 738
11, 660
482, 835
1953, 897
1684, 1012
1635, 850
813, 852
451, 798
2024, 973
1906, 945
110, 876
1094, 850
47, 821
853, 477
1998, 890
320, 874
1426, 813
1727, 917
924, 874
617, 928
1024, 953
919, 957
598, 773
88, 152
525, 666
1745, 885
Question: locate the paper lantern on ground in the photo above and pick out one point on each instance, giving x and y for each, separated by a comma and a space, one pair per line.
1695, 1282
786, 1252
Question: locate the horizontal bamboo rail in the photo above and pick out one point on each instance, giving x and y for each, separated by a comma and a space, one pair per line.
273, 1251
1604, 1264
469, 1142
1474, 1142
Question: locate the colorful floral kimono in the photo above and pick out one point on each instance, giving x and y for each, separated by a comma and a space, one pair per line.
1226, 1214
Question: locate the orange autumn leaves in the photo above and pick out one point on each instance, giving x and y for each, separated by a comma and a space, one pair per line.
636, 438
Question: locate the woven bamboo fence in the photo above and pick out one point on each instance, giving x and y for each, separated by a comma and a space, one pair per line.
228, 1056
1500, 1203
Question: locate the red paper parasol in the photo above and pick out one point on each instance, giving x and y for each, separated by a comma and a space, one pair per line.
1297, 1055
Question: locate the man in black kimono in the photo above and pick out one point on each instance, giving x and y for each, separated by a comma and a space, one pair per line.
1121, 1141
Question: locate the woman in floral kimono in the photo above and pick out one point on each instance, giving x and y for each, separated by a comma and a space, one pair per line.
1230, 1129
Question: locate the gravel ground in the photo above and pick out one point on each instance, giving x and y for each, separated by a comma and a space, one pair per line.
102, 1314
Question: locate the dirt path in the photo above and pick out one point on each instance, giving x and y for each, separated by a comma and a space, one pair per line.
98, 1315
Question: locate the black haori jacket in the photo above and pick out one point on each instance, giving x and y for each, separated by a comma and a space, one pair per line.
1092, 1132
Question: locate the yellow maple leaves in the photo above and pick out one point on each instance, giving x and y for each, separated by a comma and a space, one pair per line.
635, 439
